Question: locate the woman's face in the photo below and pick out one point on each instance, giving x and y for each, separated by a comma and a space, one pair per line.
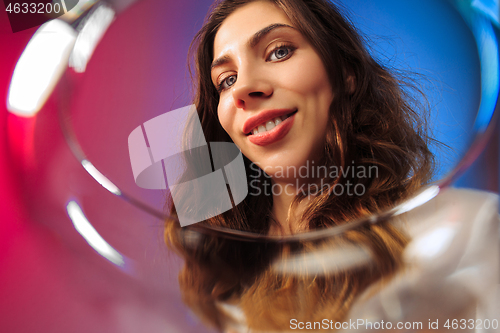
274, 90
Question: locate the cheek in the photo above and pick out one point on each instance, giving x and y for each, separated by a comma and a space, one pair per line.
226, 117
315, 80
309, 79
317, 88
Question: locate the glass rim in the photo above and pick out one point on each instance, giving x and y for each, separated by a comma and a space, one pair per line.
481, 23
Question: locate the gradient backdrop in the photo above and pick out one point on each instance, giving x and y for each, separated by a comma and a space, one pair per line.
50, 279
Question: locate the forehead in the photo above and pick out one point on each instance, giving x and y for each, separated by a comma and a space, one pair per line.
240, 25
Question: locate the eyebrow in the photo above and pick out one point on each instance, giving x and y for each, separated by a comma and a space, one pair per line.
256, 38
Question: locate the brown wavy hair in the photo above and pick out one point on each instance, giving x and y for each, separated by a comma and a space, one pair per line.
378, 124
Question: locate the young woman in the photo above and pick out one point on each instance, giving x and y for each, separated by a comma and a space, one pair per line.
292, 85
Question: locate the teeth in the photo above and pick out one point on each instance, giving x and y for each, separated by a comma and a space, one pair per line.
269, 125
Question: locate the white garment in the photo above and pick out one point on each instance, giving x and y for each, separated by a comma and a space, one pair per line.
453, 269
452, 272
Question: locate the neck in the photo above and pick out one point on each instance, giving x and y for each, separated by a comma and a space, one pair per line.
283, 195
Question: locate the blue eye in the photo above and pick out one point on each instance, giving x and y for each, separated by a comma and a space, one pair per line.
226, 83
280, 53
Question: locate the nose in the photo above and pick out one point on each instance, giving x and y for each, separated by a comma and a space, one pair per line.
251, 87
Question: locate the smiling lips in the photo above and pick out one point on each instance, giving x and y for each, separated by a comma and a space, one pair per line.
269, 126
